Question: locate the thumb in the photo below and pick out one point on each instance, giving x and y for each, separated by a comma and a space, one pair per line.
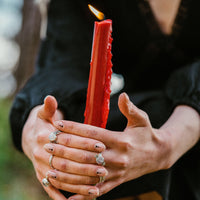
135, 116
48, 109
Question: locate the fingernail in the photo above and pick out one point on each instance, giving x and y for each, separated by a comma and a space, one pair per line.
127, 97
51, 174
102, 172
59, 124
100, 146
48, 147
93, 192
45, 98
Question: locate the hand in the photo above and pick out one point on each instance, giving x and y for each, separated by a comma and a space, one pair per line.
70, 175
136, 151
35, 135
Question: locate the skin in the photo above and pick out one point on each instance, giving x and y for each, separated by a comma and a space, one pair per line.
165, 13
139, 149
34, 137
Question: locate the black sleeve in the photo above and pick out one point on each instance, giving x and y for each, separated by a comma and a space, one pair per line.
183, 87
63, 65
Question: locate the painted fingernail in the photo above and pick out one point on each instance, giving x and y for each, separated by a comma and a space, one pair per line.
48, 147
51, 174
100, 146
93, 192
102, 172
126, 95
59, 124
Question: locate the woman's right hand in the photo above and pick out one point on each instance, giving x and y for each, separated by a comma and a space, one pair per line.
36, 135
36, 128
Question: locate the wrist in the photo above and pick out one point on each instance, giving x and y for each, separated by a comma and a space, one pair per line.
181, 132
164, 149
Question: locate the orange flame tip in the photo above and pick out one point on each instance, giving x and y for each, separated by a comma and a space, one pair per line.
96, 12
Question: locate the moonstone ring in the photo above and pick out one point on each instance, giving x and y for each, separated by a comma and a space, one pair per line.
46, 182
53, 136
100, 159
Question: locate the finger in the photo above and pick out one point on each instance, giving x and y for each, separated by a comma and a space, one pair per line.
80, 197
56, 179
71, 178
52, 192
41, 156
108, 186
135, 116
72, 167
78, 142
68, 166
48, 109
87, 157
88, 131
73, 154
93, 191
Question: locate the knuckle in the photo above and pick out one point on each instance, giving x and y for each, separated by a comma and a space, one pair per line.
123, 162
63, 166
67, 140
92, 180
56, 184
91, 131
94, 132
61, 151
120, 173
85, 158
36, 153
70, 125
87, 170
85, 144
41, 137
126, 144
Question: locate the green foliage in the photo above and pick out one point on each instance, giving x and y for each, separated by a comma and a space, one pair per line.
17, 178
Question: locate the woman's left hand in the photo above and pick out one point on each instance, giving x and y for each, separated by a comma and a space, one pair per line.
138, 150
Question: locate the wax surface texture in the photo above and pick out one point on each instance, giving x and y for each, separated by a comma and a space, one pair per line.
98, 93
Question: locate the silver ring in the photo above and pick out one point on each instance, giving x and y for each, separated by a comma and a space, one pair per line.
100, 159
53, 136
50, 161
102, 179
46, 182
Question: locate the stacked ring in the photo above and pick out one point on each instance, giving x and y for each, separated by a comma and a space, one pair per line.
102, 179
50, 161
100, 161
46, 182
53, 136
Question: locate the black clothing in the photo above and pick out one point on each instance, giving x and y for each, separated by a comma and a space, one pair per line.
160, 73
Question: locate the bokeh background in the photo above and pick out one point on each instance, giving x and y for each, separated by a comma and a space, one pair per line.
20, 22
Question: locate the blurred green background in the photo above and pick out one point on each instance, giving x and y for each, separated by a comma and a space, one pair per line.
17, 178
20, 22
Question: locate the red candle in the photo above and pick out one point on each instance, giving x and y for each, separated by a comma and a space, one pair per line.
98, 93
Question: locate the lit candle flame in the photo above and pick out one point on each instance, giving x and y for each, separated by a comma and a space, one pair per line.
96, 12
